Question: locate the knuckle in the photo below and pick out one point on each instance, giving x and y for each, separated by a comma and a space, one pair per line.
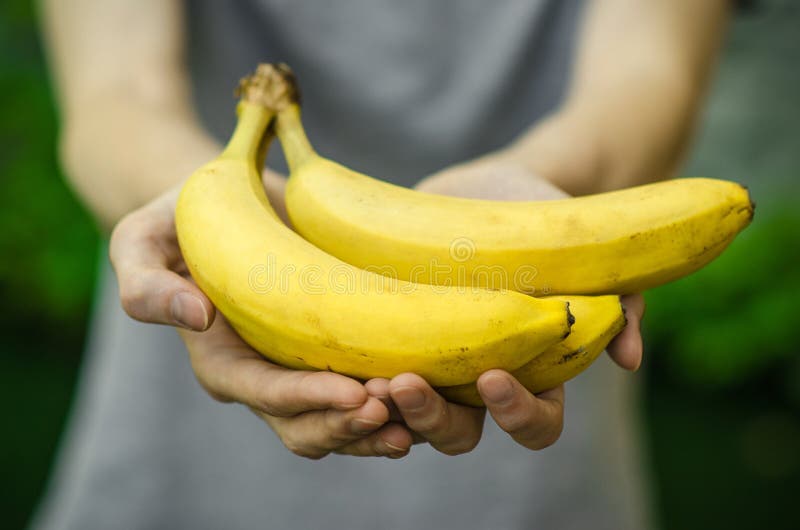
310, 454
132, 293
362, 447
517, 422
124, 228
307, 382
548, 436
555, 434
120, 229
284, 396
337, 427
433, 421
339, 434
302, 450
211, 390
460, 447
271, 399
339, 438
216, 396
267, 405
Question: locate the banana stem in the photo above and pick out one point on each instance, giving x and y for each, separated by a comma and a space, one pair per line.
247, 142
294, 141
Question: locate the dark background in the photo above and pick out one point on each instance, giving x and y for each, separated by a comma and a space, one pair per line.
721, 380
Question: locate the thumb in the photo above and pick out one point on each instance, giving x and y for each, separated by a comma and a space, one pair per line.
143, 251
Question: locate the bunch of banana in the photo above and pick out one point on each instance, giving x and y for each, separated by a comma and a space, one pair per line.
305, 309
611, 243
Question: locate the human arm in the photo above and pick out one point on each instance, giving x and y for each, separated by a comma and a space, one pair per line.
313, 413
130, 133
534, 421
636, 87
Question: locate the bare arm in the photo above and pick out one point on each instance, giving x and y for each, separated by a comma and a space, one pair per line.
639, 77
637, 85
129, 134
129, 131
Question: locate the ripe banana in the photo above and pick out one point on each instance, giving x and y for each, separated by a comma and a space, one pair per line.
305, 309
598, 319
611, 243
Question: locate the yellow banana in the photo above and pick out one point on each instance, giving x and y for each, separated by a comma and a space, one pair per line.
598, 319
611, 243
305, 309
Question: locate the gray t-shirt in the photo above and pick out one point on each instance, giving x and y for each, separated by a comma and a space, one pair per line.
398, 90
395, 89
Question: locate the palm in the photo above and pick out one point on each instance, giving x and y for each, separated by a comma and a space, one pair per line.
493, 178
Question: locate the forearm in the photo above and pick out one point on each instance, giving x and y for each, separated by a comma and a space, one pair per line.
119, 154
128, 129
639, 77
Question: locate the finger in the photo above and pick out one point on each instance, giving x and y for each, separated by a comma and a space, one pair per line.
379, 387
231, 371
533, 421
392, 440
626, 349
143, 249
162, 297
317, 433
451, 429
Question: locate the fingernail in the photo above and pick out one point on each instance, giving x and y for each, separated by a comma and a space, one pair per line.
188, 311
409, 398
348, 405
497, 389
394, 451
362, 426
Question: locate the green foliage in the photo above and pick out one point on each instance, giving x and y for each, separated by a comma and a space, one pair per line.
48, 241
48, 247
738, 317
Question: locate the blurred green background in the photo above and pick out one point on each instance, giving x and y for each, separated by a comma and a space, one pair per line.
721, 400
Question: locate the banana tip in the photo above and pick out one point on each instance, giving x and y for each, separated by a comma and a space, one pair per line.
570, 321
750, 200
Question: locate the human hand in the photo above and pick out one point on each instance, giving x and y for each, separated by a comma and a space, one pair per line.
502, 176
534, 421
313, 413
153, 279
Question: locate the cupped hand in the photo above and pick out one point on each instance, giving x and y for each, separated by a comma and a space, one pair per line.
313, 413
500, 176
153, 279
533, 421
